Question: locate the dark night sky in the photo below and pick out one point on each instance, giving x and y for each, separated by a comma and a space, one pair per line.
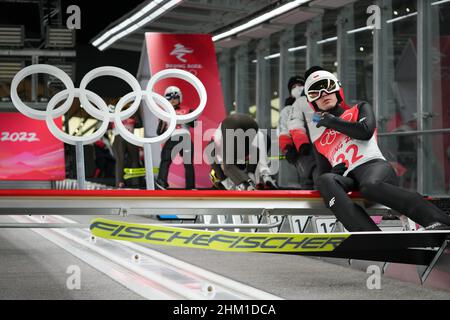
95, 16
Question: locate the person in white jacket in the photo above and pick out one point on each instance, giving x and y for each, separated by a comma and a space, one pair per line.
292, 133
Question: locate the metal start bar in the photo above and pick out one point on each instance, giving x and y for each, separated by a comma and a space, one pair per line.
178, 202
175, 225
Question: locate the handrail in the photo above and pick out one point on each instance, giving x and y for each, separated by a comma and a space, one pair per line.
413, 133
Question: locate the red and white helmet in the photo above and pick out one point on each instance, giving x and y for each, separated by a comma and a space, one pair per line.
173, 92
319, 82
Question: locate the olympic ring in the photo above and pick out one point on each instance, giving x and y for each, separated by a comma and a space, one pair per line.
96, 107
67, 138
348, 117
328, 138
41, 68
189, 77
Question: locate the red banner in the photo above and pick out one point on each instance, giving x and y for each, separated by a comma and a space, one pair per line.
28, 151
194, 53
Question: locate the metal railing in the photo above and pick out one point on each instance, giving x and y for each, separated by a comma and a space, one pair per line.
414, 133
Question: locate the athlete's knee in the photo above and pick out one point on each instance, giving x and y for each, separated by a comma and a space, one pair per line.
325, 180
327, 185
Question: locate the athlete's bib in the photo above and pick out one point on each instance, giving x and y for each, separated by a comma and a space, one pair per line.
182, 111
339, 148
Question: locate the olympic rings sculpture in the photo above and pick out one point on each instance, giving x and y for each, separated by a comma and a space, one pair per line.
102, 112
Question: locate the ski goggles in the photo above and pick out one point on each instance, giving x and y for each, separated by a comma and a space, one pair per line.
316, 90
172, 96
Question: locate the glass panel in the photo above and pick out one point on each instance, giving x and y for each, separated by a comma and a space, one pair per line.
364, 66
252, 77
439, 110
274, 65
398, 111
398, 104
361, 56
233, 81
401, 152
328, 46
436, 164
297, 58
437, 113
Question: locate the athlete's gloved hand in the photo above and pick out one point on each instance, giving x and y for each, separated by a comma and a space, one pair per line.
269, 183
325, 120
291, 154
246, 186
305, 149
339, 169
